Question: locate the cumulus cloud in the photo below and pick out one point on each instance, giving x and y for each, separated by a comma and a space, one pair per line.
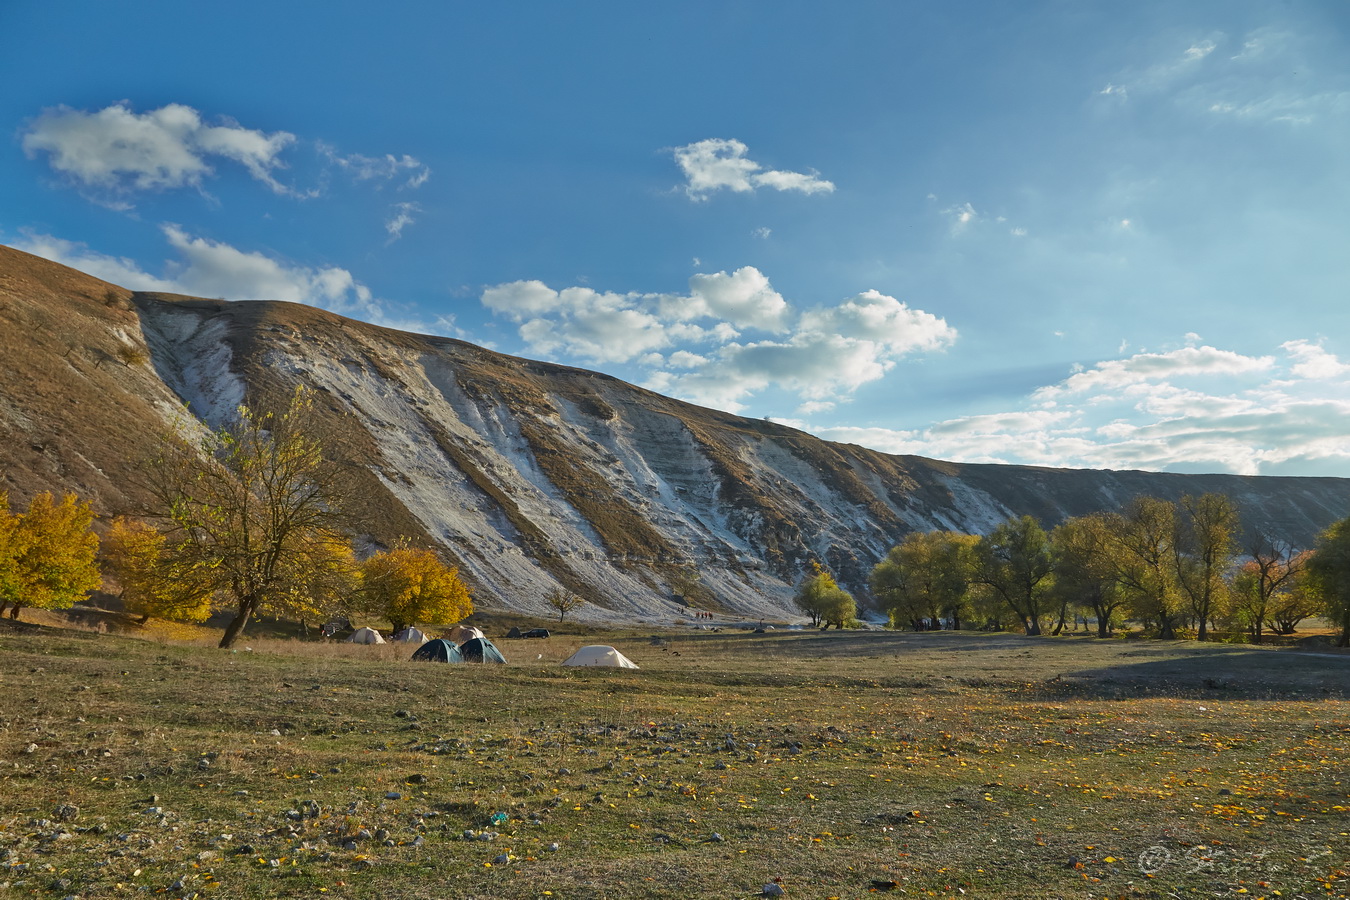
118, 150
1158, 412
695, 345
713, 164
1311, 361
207, 268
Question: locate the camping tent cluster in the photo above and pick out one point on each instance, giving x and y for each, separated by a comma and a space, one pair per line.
464, 643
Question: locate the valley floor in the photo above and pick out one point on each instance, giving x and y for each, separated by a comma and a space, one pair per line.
828, 764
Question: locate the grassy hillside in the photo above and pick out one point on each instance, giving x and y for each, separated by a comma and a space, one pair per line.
840, 763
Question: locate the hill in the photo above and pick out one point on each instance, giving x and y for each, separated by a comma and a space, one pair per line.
527, 475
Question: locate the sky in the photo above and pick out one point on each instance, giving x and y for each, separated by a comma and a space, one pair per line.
1063, 233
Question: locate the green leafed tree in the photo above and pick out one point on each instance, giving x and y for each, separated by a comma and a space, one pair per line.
255, 509
1144, 535
1085, 570
48, 555
927, 576
1207, 529
410, 586
1015, 563
821, 598
1328, 576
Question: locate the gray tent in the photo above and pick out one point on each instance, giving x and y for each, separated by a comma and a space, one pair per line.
439, 650
481, 650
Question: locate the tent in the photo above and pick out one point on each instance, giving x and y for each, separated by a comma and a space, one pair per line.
365, 636
461, 633
439, 650
514, 632
410, 635
481, 650
600, 655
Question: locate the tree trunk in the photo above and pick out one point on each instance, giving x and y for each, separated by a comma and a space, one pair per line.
1203, 632
1032, 627
236, 626
14, 610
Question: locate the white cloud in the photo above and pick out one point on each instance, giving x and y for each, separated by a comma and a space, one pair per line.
206, 268
821, 354
762, 233
402, 217
1154, 411
1198, 51
713, 164
1144, 367
119, 150
1314, 362
744, 298
961, 216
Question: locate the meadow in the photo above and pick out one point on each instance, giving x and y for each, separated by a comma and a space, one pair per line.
839, 764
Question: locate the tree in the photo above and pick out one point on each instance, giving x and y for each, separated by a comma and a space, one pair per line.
48, 555
1328, 573
1015, 563
253, 508
408, 586
133, 554
1271, 571
1084, 569
824, 600
564, 602
926, 576
1143, 539
1206, 540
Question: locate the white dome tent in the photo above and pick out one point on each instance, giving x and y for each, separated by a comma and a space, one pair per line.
600, 655
365, 636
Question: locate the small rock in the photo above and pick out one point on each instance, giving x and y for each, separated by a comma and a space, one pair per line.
417, 779
66, 813
772, 890
716, 838
31, 748
553, 847
393, 795
562, 772
501, 859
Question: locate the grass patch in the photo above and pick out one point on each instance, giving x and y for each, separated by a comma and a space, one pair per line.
842, 764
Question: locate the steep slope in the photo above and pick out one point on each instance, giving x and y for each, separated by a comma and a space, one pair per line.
527, 475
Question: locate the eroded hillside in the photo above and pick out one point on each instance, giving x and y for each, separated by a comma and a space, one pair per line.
529, 476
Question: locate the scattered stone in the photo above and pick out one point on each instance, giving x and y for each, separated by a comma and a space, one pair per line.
244, 850
502, 859
66, 813
419, 778
716, 838
772, 890
553, 847
31, 748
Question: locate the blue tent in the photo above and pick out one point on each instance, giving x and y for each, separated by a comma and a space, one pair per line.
481, 650
439, 650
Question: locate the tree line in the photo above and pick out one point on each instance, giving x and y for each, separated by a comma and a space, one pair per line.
1173, 567
249, 518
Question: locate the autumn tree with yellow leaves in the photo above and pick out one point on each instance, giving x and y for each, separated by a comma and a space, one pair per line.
48, 555
408, 586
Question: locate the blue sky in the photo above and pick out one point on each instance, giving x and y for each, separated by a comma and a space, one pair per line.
1060, 233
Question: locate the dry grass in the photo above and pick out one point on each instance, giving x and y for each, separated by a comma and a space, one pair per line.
984, 764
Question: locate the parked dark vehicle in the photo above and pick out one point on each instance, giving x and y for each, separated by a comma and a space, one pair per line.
536, 633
